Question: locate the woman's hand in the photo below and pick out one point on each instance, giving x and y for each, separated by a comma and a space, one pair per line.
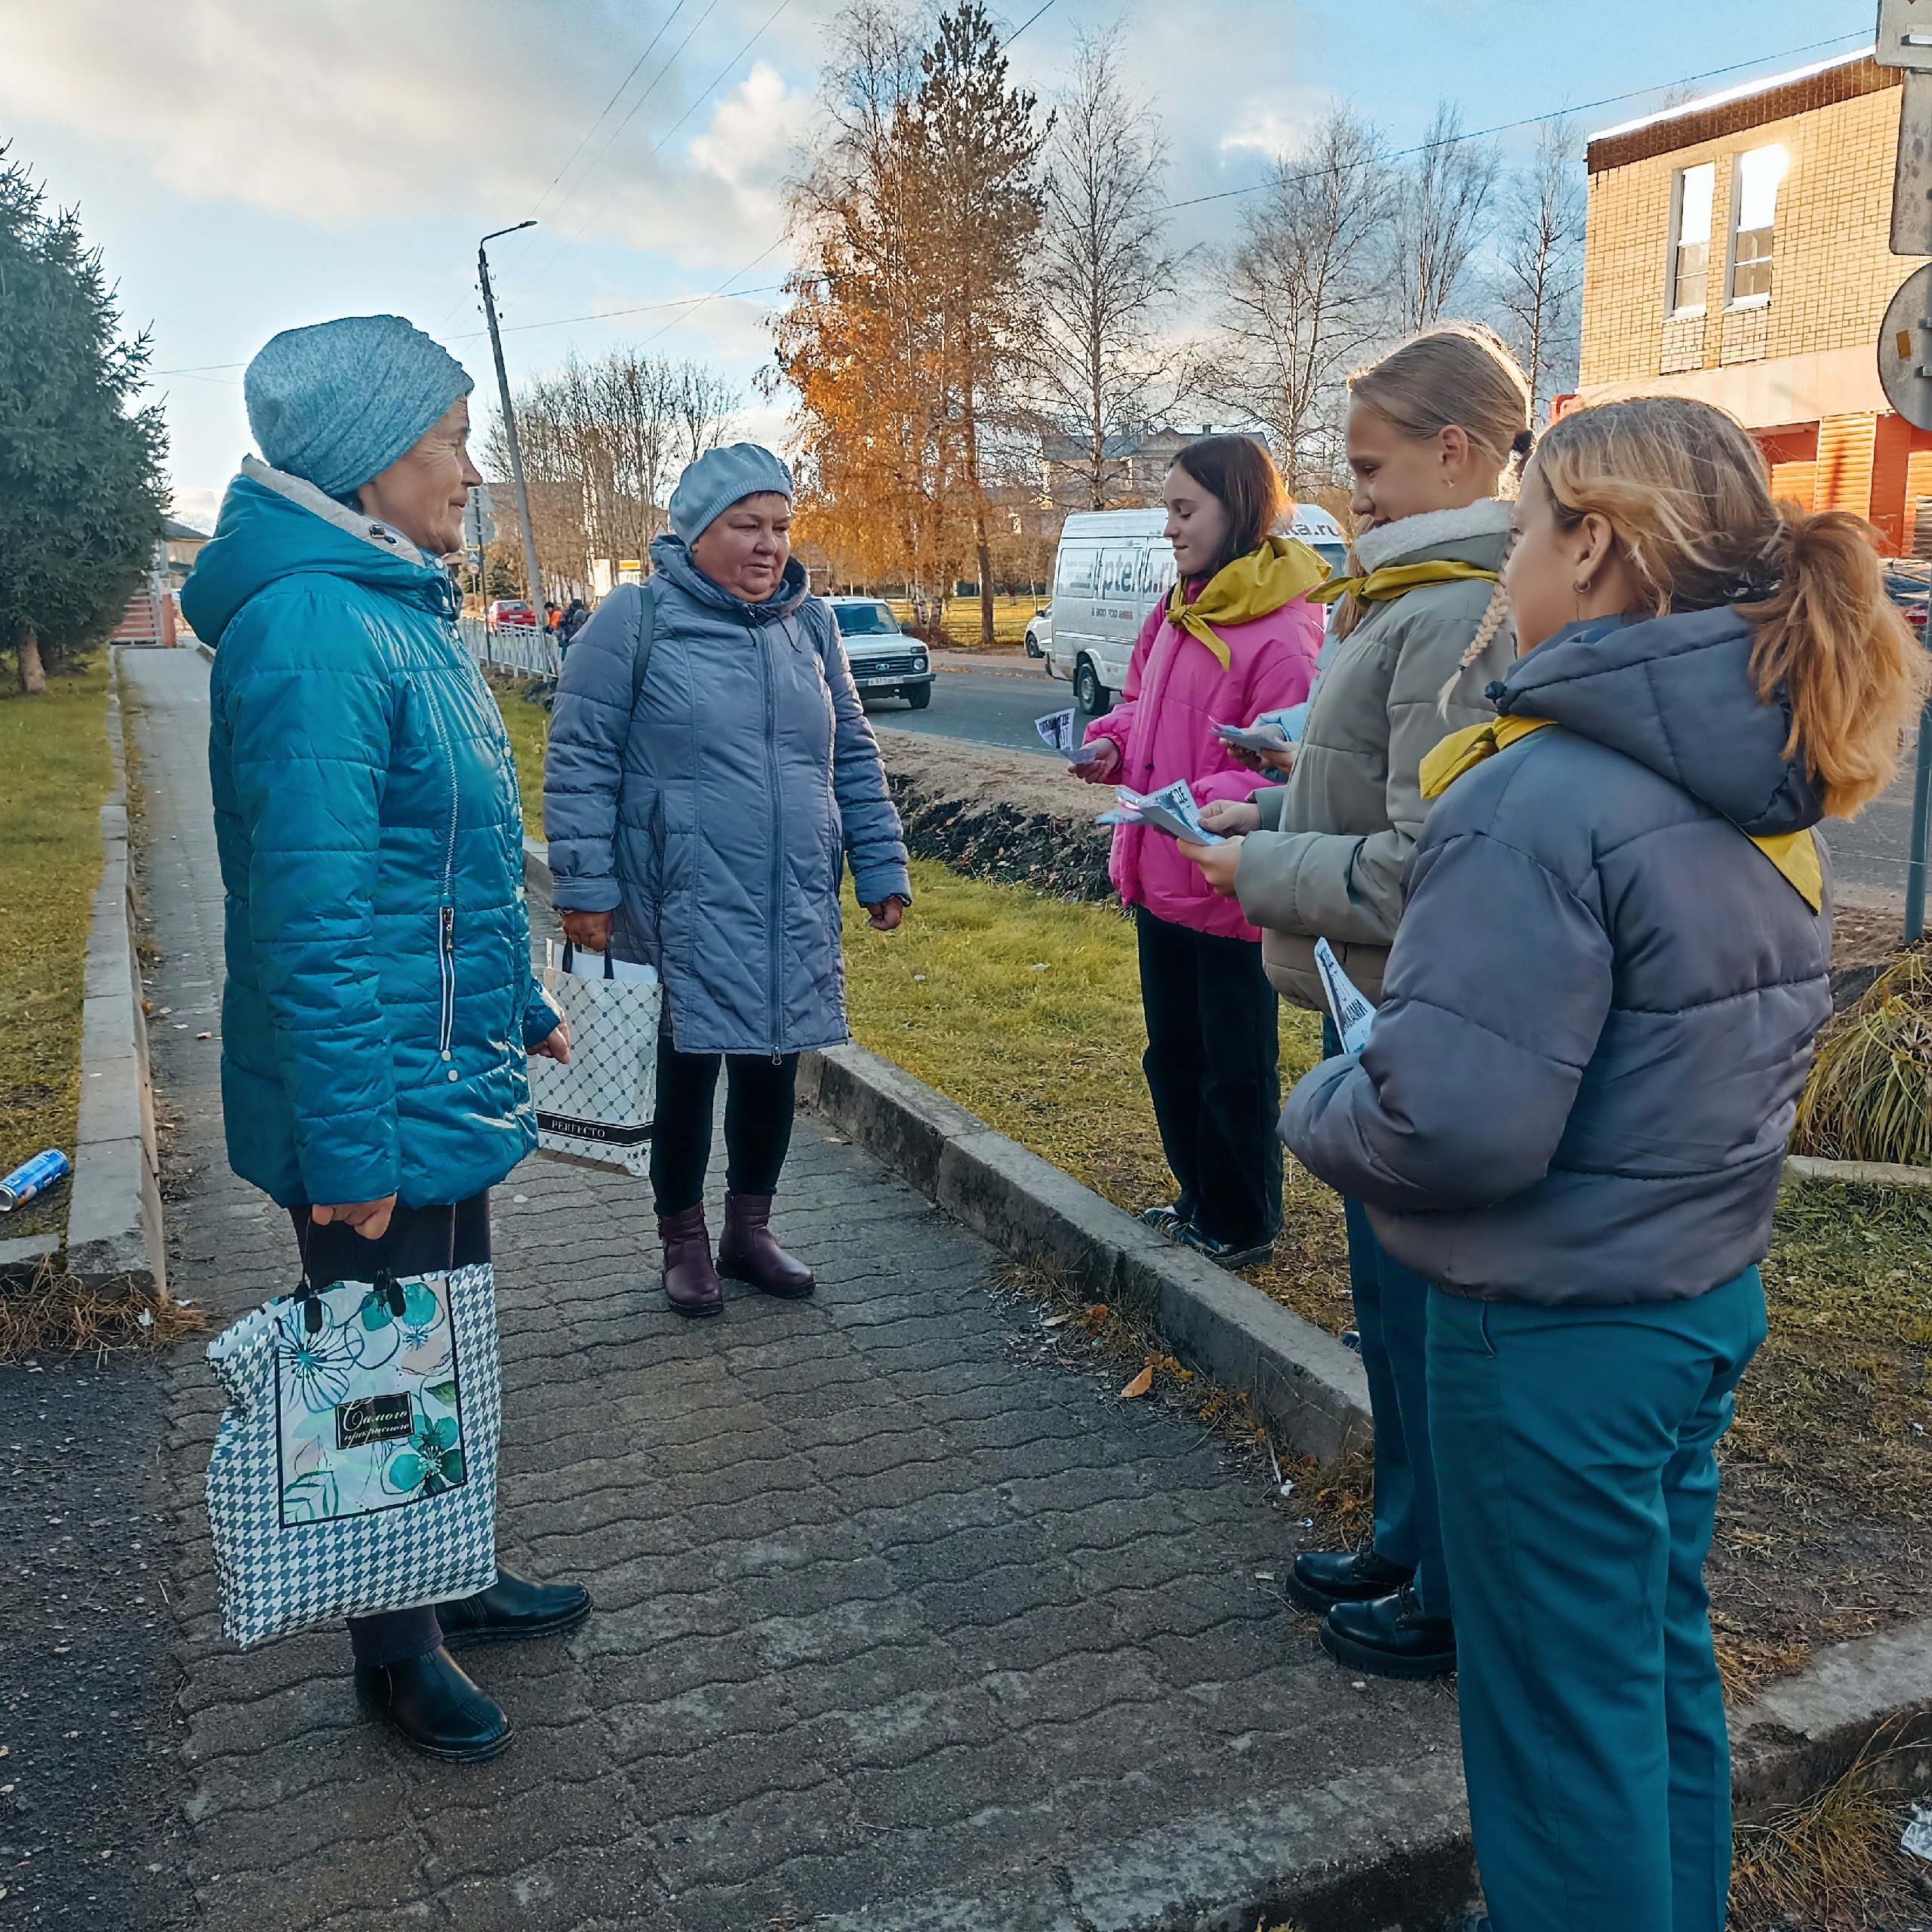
555, 1044
591, 930
1102, 770
1277, 758
884, 917
1217, 862
1231, 816
369, 1219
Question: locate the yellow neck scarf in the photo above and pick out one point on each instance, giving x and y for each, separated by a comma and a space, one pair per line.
1251, 586
1794, 853
1397, 579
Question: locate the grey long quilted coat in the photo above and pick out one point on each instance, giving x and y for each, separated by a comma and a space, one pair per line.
715, 817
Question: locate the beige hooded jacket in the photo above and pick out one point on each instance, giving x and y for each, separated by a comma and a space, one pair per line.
1328, 861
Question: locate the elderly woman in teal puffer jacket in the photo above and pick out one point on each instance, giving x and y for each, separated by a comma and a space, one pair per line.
379, 1001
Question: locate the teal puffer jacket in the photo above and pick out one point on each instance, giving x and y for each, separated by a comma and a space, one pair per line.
380, 999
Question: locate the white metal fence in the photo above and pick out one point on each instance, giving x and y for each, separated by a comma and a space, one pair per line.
520, 647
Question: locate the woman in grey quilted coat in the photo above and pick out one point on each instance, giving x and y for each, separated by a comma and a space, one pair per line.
710, 772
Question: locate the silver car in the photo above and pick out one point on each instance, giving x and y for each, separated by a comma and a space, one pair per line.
885, 662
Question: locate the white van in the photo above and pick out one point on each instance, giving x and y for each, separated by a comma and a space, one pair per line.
1113, 566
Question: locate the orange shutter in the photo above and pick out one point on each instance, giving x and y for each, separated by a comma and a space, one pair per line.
1891, 447
1845, 451
1795, 480
1918, 498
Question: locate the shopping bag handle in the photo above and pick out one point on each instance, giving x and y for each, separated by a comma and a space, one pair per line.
385, 1284
569, 953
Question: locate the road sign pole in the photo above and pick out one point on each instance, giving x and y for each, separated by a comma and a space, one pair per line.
1922, 832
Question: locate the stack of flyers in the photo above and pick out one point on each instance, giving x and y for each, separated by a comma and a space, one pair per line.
1171, 810
1055, 731
1269, 732
1353, 1014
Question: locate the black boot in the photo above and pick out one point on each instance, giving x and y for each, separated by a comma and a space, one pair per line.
1322, 1578
1390, 1638
433, 1707
511, 1608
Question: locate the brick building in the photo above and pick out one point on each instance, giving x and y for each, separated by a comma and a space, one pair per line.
1737, 253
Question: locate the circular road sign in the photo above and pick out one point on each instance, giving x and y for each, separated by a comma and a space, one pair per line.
1905, 349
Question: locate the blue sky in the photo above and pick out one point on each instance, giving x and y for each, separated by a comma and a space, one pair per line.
247, 165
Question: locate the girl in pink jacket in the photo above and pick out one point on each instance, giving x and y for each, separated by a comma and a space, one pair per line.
1237, 637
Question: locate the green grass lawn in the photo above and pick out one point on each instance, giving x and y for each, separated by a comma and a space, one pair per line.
54, 775
529, 728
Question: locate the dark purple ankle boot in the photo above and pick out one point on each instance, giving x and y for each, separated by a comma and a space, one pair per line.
746, 1251
691, 1285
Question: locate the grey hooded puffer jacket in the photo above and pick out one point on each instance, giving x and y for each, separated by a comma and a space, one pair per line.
1599, 1009
713, 816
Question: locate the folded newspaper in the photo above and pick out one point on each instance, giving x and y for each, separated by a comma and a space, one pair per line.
1353, 1014
1055, 731
1171, 810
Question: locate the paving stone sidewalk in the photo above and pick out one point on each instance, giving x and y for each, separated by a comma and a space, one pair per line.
893, 1630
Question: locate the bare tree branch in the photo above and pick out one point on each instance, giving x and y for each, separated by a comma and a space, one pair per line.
1539, 267
1440, 216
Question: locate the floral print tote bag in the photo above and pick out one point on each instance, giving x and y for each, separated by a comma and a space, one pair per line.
355, 1469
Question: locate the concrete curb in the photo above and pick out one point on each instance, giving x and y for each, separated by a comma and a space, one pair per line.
114, 1221
1868, 1173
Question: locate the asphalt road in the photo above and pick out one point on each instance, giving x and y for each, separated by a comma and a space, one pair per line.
986, 707
998, 707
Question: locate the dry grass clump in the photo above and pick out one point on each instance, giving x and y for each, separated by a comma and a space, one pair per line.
54, 1310
1830, 1863
1869, 1097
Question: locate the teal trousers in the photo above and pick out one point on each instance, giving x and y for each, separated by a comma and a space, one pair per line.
1579, 1494
1392, 1321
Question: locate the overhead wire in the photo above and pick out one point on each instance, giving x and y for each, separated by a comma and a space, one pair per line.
1527, 121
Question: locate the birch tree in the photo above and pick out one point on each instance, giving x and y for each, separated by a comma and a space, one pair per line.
1539, 265
1440, 213
1106, 276
1307, 294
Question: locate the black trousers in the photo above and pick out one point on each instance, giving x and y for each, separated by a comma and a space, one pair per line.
760, 1097
1213, 1067
419, 1241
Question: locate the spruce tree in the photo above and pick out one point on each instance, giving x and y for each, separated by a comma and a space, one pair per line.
81, 489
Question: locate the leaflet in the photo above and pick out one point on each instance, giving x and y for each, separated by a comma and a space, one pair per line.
1055, 731
1269, 732
1353, 1014
1171, 810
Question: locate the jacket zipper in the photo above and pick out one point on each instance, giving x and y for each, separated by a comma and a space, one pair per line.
761, 643
446, 908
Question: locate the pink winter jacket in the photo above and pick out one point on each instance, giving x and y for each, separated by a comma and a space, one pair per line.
1175, 694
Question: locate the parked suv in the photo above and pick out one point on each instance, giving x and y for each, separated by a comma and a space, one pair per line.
885, 662
510, 611
1040, 630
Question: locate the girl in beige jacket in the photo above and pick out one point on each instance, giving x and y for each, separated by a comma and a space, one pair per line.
1418, 635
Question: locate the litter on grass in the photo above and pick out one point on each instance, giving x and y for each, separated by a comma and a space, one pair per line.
1918, 1835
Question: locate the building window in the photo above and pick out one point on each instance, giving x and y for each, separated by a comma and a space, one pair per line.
1753, 225
1691, 245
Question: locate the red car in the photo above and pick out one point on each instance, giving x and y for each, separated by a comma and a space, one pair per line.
511, 610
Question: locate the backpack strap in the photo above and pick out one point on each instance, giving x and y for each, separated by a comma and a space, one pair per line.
646, 637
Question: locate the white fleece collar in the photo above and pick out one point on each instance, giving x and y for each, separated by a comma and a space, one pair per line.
304, 495
1430, 531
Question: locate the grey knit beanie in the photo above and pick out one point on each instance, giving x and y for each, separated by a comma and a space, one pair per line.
721, 478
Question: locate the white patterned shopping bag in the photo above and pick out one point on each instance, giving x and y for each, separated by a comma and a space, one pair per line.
599, 1108
355, 1469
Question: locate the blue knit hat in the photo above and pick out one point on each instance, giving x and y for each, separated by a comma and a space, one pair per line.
721, 478
336, 403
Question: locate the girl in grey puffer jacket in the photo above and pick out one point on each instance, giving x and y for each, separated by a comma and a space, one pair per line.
1571, 1111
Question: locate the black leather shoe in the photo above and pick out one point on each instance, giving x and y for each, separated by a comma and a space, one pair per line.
510, 1608
431, 1704
1322, 1578
1390, 1638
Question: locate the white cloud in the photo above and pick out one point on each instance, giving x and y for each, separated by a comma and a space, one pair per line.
363, 110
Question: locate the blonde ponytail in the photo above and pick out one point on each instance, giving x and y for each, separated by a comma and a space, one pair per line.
1684, 490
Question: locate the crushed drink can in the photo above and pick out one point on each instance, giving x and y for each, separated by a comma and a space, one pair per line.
31, 1177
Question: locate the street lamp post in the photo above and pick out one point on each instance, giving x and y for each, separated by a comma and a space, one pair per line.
530, 571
